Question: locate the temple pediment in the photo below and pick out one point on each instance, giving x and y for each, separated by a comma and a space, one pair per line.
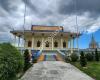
46, 28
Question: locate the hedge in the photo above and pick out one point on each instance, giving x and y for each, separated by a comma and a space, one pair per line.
74, 57
11, 62
27, 58
89, 57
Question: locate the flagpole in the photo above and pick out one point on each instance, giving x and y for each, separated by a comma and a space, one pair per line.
77, 31
24, 23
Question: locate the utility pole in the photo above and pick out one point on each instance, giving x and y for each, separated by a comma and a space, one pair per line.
77, 30
24, 24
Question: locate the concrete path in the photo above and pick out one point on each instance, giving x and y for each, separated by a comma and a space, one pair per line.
54, 70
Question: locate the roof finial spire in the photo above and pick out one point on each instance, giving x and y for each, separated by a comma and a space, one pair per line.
93, 40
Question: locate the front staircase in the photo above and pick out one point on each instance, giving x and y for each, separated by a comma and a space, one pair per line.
41, 58
49, 56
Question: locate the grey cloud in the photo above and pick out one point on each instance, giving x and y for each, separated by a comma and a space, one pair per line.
54, 13
36, 9
6, 5
31, 6
91, 6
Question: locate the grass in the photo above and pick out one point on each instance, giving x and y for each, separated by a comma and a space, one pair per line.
93, 69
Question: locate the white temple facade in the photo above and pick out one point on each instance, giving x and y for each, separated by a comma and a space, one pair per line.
46, 38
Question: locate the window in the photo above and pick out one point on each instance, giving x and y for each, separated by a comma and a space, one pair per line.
64, 44
55, 44
38, 43
29, 43
47, 44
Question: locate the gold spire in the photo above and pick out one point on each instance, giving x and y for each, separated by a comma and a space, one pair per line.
93, 43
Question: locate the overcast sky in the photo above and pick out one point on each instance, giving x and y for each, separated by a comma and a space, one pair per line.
49, 12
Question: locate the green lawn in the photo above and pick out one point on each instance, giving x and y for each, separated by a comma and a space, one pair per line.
93, 69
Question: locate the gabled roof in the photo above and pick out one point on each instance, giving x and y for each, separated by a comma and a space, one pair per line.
40, 29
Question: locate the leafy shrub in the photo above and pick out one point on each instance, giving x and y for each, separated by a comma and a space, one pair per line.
99, 54
96, 55
11, 62
74, 57
67, 59
89, 57
83, 59
26, 60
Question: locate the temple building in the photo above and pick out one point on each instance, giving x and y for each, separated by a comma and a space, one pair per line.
47, 39
93, 44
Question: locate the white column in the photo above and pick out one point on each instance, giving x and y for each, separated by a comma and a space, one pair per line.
73, 43
52, 43
71, 46
15, 40
77, 43
18, 41
61, 43
70, 43
42, 43
32, 42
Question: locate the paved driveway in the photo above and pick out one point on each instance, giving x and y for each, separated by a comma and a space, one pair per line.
54, 70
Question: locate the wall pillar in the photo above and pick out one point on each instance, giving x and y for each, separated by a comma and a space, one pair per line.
61, 43
52, 43
32, 42
42, 43
68, 44
71, 46
71, 43
77, 43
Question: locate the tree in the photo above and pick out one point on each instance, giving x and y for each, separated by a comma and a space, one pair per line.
26, 60
74, 57
83, 59
89, 57
11, 62
96, 55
